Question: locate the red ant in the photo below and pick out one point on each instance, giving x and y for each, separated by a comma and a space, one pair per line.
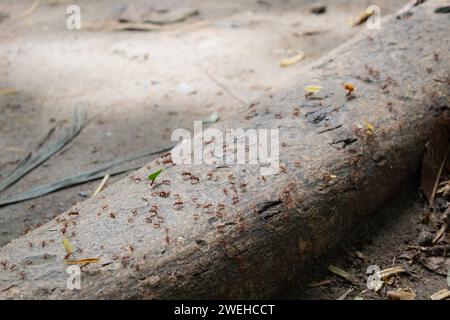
74, 212
178, 204
154, 209
136, 179
162, 194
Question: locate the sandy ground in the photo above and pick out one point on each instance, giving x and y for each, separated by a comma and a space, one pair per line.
139, 86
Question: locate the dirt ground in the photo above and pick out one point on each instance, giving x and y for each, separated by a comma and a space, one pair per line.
139, 86
388, 238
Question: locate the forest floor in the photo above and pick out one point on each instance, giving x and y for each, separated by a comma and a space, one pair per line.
139, 86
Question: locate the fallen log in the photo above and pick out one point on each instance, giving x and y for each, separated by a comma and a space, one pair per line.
227, 232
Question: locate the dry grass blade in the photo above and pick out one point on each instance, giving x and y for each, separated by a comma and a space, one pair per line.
32, 161
101, 185
82, 261
435, 162
319, 283
346, 293
441, 295
440, 232
438, 177
89, 175
341, 273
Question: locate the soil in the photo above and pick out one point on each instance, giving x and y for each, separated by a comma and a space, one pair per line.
386, 239
140, 86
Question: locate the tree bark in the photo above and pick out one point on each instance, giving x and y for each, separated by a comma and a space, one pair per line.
237, 234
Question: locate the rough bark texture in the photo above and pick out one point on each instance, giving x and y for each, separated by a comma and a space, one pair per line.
267, 229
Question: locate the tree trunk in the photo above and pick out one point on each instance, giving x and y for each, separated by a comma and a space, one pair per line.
238, 234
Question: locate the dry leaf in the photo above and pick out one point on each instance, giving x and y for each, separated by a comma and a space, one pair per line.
313, 89
363, 17
444, 188
441, 295
82, 261
7, 91
389, 272
68, 246
401, 294
287, 62
438, 265
370, 129
349, 87
341, 273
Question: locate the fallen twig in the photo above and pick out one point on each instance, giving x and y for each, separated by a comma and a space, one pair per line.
401, 294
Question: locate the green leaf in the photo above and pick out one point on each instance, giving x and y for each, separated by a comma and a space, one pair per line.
152, 177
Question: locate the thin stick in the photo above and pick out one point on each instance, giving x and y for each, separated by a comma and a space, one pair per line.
438, 177
101, 185
440, 233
